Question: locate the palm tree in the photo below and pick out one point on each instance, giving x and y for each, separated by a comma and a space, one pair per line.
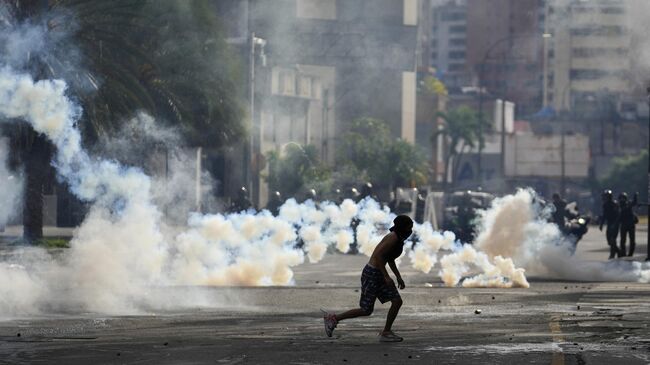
461, 130
166, 57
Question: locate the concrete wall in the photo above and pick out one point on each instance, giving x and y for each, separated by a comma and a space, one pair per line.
408, 106
533, 155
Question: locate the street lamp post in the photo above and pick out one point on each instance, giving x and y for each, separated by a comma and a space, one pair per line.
250, 171
480, 90
563, 118
648, 237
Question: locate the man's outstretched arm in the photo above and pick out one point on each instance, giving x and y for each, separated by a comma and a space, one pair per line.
400, 282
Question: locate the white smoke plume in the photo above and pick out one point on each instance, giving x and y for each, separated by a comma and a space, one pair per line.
516, 226
463, 260
11, 187
120, 253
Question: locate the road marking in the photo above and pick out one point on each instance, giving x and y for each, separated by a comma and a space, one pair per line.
556, 332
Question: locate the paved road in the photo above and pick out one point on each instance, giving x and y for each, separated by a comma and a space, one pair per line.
551, 323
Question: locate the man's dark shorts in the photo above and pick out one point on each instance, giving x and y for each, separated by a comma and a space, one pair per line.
373, 286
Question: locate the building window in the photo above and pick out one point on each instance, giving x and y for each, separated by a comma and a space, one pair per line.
286, 83
582, 52
305, 85
594, 74
598, 30
509, 67
452, 16
455, 67
456, 55
612, 10
531, 67
583, 10
457, 29
316, 88
316, 9
457, 42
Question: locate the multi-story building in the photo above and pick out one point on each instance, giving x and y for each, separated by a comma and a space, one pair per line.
327, 63
505, 50
589, 58
449, 43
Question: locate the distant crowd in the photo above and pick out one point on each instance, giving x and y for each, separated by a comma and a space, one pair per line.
243, 203
617, 215
619, 218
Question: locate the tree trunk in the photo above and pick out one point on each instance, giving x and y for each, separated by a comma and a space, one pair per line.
36, 160
445, 183
457, 160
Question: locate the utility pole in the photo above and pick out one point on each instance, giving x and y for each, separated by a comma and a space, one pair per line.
648, 237
480, 118
254, 149
481, 82
562, 158
503, 138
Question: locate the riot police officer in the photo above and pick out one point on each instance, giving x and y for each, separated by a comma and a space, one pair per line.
355, 195
628, 221
311, 195
464, 222
367, 191
610, 216
242, 202
275, 201
560, 212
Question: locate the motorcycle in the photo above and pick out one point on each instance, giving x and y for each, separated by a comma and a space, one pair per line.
575, 225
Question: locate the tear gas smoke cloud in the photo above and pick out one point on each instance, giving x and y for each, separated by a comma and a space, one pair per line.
123, 250
463, 260
517, 225
11, 186
120, 252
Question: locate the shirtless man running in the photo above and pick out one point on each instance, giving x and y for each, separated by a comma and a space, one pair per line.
376, 283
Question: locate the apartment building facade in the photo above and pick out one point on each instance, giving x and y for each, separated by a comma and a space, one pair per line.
327, 62
505, 48
449, 43
589, 58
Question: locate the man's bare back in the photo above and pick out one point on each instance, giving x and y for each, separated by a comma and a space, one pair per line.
376, 283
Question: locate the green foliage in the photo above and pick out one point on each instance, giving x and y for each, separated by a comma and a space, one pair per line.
296, 169
434, 86
369, 148
166, 57
46, 242
628, 174
194, 72
406, 165
461, 128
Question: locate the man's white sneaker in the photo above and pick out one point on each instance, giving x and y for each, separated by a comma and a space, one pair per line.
389, 337
330, 322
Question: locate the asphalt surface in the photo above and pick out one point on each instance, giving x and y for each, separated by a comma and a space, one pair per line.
553, 322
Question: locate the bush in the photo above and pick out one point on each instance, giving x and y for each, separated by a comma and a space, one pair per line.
628, 174
295, 169
369, 148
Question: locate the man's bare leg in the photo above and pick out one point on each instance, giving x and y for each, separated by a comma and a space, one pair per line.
395, 305
352, 313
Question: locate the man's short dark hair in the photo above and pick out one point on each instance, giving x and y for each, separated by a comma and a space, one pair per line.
401, 222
